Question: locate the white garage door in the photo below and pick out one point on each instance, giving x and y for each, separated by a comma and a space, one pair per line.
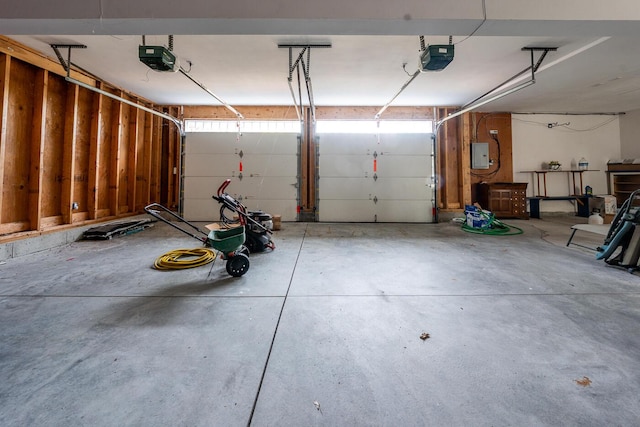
263, 168
370, 178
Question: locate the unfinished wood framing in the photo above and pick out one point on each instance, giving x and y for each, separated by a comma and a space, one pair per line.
94, 160
16, 50
450, 158
70, 156
477, 127
37, 149
156, 159
15, 215
132, 165
53, 183
81, 189
5, 73
170, 176
212, 112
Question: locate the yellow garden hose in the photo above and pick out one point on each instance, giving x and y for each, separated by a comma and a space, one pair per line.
194, 258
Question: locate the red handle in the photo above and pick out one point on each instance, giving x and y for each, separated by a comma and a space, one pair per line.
224, 185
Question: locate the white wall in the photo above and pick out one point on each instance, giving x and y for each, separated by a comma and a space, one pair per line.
594, 137
630, 135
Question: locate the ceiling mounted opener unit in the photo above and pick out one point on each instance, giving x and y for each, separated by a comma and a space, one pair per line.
158, 58
436, 57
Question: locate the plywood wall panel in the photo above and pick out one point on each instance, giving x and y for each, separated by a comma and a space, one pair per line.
143, 162
17, 150
70, 155
5, 74
81, 190
449, 190
156, 159
68, 158
53, 147
121, 144
38, 136
104, 168
479, 127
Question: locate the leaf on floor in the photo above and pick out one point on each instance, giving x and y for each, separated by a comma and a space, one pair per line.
425, 336
584, 382
317, 405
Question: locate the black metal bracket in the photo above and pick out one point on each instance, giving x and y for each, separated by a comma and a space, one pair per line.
544, 51
66, 65
293, 65
533, 68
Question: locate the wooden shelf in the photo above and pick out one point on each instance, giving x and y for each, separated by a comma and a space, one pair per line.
623, 180
542, 189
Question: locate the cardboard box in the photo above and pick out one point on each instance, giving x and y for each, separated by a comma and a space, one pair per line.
605, 205
277, 222
610, 204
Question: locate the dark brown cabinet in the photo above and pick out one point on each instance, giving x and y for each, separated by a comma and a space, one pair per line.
624, 179
504, 199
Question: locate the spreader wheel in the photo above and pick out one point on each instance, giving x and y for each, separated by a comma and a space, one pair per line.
238, 264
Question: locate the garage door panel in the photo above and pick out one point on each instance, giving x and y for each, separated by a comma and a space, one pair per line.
269, 175
269, 143
266, 165
201, 187
201, 209
211, 143
346, 211
405, 144
286, 208
401, 189
265, 188
332, 165
229, 164
209, 209
404, 166
249, 143
345, 188
257, 187
346, 144
403, 211
211, 165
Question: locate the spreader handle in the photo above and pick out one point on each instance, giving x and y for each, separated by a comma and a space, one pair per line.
224, 185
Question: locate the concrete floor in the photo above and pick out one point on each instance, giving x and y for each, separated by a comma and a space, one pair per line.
324, 331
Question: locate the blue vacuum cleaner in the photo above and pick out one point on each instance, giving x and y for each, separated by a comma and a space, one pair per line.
624, 234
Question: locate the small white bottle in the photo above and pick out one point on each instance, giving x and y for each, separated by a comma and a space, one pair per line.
583, 164
595, 218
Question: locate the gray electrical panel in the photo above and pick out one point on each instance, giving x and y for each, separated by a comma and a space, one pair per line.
480, 155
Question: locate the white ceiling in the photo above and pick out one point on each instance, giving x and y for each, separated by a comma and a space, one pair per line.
596, 68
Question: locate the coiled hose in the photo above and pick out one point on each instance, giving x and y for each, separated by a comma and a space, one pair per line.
179, 259
494, 227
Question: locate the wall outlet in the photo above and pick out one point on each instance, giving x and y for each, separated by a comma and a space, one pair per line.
493, 132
